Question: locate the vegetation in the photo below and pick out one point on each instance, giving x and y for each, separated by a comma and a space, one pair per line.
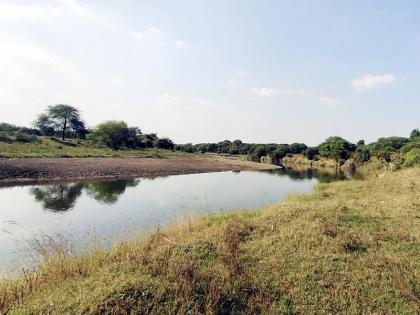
65, 121
349, 247
48, 147
61, 119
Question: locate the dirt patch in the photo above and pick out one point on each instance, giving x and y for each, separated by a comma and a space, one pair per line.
48, 169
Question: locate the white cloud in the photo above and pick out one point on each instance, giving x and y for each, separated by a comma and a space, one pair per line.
136, 35
266, 92
180, 44
330, 101
74, 7
168, 99
371, 81
156, 30
9, 10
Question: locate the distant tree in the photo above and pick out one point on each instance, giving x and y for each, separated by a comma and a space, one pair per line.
383, 147
245, 148
113, 134
415, 134
165, 143
310, 153
362, 154
297, 148
360, 142
61, 119
224, 146
281, 151
8, 127
148, 140
258, 152
336, 148
133, 138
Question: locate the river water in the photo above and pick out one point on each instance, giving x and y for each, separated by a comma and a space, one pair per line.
105, 211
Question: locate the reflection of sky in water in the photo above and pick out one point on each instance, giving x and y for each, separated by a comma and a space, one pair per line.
108, 209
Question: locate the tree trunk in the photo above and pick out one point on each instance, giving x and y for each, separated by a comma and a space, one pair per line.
64, 129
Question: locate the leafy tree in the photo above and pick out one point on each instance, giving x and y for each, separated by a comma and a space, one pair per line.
61, 119
310, 153
165, 143
297, 148
390, 143
148, 140
412, 158
8, 127
258, 152
336, 148
362, 154
113, 134
188, 147
360, 142
415, 134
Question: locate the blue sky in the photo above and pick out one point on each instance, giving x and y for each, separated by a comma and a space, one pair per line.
199, 71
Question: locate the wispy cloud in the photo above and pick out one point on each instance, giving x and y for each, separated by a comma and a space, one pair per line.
266, 92
11, 10
371, 81
330, 101
180, 44
136, 35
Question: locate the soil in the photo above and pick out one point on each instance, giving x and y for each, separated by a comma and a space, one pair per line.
28, 170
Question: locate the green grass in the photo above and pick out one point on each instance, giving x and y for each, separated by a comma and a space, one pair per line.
349, 247
45, 147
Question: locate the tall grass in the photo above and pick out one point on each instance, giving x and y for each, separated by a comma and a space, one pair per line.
349, 247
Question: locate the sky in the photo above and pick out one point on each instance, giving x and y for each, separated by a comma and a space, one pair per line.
205, 71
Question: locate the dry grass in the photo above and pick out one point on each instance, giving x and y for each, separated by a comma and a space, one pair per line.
54, 148
350, 247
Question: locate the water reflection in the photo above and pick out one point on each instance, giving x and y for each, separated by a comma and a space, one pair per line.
326, 175
63, 197
57, 198
108, 192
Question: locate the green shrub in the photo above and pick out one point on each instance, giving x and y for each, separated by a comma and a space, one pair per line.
24, 137
362, 154
412, 158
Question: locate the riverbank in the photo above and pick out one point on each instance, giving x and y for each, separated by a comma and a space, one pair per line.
25, 170
349, 247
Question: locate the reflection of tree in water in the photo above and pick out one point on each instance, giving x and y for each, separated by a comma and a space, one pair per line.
109, 191
58, 197
323, 176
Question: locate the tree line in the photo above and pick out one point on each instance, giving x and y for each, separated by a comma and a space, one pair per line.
65, 121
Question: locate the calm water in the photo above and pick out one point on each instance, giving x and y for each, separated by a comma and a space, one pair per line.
106, 211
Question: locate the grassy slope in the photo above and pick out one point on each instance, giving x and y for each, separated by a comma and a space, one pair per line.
350, 247
46, 147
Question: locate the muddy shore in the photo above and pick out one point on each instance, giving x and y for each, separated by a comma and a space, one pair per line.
31, 170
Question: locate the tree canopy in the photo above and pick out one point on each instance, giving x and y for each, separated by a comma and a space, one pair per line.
61, 119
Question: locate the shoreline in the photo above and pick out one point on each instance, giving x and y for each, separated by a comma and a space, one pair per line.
22, 171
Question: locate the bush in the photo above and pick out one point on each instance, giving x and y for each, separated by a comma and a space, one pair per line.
24, 137
113, 134
412, 158
297, 148
310, 153
257, 153
165, 143
387, 144
336, 148
362, 154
